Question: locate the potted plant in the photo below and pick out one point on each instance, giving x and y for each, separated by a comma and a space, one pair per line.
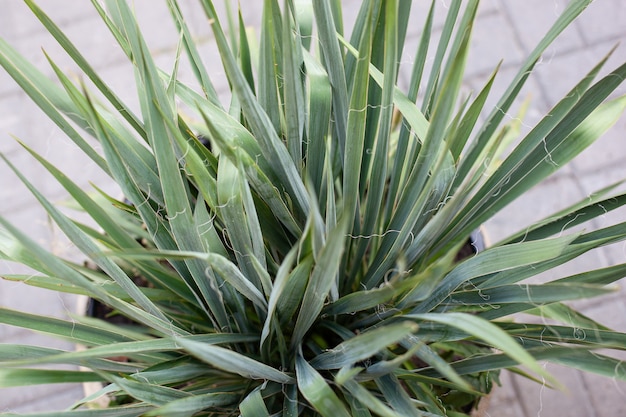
301, 259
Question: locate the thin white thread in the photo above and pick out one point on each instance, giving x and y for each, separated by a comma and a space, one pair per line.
514, 118
178, 213
541, 392
210, 224
569, 222
373, 235
548, 153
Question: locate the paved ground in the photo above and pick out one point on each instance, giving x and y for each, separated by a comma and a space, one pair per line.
505, 29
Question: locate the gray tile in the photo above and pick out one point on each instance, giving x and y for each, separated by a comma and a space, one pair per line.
11, 116
503, 400
489, 7
39, 398
559, 74
90, 36
607, 395
604, 20
492, 40
531, 20
23, 23
42, 398
539, 400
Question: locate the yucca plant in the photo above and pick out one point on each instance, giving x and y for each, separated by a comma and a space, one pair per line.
292, 249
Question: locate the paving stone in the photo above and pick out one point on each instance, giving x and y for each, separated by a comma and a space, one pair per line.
41, 398
531, 20
541, 401
22, 22
487, 50
607, 395
251, 14
489, 7
157, 25
90, 36
11, 117
558, 75
603, 20
503, 401
12, 194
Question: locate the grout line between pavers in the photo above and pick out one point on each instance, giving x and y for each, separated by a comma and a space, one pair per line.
590, 397
517, 392
509, 20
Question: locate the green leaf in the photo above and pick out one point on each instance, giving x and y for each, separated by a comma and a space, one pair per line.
197, 66
84, 65
524, 293
47, 95
149, 393
280, 284
226, 269
590, 334
318, 120
488, 332
27, 377
144, 349
113, 229
270, 62
89, 248
550, 145
367, 398
24, 355
317, 391
293, 90
363, 346
356, 125
272, 147
233, 362
571, 11
492, 260
579, 358
189, 406
50, 264
397, 396
322, 279
333, 61
589, 208
253, 405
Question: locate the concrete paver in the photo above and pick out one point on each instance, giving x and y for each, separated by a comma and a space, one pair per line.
505, 29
